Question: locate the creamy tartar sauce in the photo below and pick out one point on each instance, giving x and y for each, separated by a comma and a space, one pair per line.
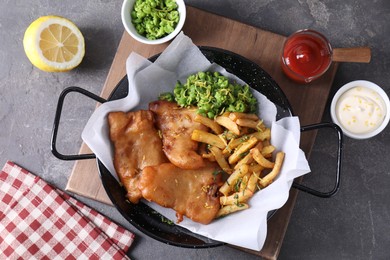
360, 110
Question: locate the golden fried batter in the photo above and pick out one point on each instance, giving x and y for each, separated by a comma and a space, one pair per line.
177, 125
136, 145
192, 193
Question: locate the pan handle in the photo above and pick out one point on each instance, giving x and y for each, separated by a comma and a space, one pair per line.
57, 122
339, 157
102, 100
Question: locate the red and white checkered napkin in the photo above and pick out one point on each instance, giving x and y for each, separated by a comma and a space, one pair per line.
40, 221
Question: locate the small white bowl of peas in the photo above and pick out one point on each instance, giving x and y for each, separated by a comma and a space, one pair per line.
153, 21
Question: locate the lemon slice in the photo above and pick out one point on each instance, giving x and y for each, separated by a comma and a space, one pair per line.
54, 44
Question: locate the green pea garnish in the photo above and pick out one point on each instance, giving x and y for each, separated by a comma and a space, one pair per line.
214, 94
155, 19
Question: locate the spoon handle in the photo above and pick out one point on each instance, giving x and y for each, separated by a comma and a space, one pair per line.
356, 54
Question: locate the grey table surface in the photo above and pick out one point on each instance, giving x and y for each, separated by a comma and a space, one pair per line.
355, 224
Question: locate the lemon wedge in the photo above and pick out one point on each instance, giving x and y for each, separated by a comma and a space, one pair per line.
54, 44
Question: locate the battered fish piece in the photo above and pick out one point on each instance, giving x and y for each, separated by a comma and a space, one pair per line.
136, 145
177, 125
192, 193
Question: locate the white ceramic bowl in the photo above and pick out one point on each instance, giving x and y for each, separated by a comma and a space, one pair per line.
127, 7
369, 85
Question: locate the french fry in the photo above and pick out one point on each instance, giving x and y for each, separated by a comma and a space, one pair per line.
244, 181
231, 181
269, 178
228, 135
236, 198
238, 115
229, 124
238, 153
220, 159
228, 209
256, 168
259, 158
251, 186
235, 143
267, 151
249, 123
248, 159
259, 146
263, 135
214, 126
208, 138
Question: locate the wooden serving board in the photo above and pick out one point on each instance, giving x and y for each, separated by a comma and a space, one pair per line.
262, 47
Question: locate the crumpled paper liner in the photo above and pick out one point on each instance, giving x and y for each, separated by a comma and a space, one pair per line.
247, 228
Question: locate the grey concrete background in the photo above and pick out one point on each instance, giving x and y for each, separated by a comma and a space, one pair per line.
352, 225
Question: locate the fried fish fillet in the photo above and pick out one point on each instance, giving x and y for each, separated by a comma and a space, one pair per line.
136, 145
192, 193
177, 125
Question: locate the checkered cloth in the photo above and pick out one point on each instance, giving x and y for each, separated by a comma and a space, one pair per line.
38, 221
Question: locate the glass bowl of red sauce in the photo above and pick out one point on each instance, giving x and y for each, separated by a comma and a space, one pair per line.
307, 55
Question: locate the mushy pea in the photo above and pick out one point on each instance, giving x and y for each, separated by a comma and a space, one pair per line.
213, 94
155, 19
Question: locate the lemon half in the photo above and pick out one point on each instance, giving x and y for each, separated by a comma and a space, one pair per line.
54, 44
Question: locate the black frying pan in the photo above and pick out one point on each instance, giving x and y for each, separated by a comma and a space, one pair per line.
143, 217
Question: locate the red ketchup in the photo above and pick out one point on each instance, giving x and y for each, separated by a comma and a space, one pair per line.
307, 55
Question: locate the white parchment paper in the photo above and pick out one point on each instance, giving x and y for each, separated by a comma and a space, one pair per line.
147, 80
